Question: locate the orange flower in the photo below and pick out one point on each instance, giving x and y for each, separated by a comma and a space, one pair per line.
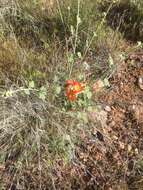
73, 88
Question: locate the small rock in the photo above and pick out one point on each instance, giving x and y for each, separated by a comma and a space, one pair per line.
112, 124
107, 108
100, 136
137, 110
122, 146
115, 137
138, 113
140, 82
136, 151
129, 148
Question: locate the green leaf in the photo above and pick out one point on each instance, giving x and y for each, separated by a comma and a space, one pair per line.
71, 58
106, 82
79, 55
43, 93
94, 34
90, 108
31, 84
89, 94
8, 93
111, 62
42, 96
80, 76
56, 78
43, 89
27, 91
58, 90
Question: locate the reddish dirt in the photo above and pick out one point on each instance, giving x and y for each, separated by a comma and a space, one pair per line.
108, 160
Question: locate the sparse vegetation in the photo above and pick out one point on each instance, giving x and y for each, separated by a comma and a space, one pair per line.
70, 106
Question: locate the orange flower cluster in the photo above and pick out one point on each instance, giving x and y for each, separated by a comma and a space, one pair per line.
73, 88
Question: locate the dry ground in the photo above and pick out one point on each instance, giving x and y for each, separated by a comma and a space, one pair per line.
112, 158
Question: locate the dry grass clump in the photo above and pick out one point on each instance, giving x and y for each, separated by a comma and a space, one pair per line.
34, 134
37, 130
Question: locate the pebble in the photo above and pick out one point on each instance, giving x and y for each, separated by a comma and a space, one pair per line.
107, 108
140, 82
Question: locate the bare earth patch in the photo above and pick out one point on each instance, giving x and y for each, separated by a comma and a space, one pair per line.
109, 159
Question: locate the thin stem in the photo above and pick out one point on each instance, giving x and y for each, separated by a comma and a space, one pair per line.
77, 26
60, 11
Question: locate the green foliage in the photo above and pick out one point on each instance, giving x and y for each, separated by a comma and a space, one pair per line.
42, 93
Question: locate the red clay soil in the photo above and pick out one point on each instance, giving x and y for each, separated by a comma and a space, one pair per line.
110, 159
